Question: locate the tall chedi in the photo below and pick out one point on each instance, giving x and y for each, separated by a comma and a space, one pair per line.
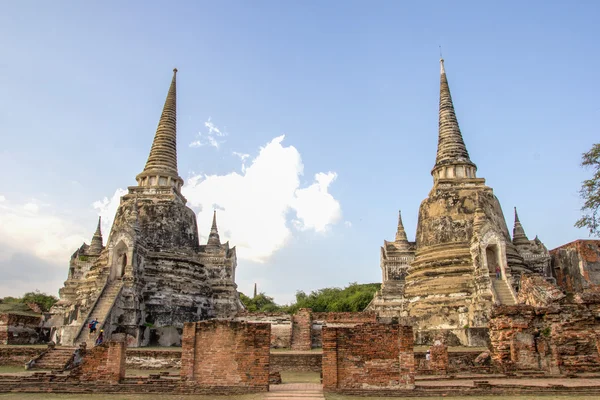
154, 275
461, 238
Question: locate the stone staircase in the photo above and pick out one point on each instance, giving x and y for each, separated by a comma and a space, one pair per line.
304, 391
100, 312
55, 359
503, 294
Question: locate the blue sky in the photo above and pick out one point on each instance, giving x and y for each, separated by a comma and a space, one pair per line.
352, 85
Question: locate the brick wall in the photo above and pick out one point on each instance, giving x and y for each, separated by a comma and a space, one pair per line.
301, 329
304, 362
220, 353
104, 363
18, 355
281, 326
439, 359
369, 356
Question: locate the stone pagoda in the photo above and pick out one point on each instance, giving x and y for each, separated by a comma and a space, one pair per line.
448, 279
153, 275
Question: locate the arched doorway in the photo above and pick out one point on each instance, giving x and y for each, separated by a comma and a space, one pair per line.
119, 261
492, 258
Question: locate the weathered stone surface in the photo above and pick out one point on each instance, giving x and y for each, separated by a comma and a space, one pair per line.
19, 329
536, 291
576, 265
153, 272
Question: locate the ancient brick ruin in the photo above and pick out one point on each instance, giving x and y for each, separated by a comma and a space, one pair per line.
153, 275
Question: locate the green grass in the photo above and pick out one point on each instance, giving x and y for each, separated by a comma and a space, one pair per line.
300, 377
333, 396
9, 369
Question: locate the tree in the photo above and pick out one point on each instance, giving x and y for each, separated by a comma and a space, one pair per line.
43, 300
259, 303
590, 192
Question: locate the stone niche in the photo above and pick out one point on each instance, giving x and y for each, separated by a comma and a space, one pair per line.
226, 354
368, 357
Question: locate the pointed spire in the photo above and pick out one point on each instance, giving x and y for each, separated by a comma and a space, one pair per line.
254, 290
162, 161
400, 232
213, 237
519, 236
451, 146
96, 243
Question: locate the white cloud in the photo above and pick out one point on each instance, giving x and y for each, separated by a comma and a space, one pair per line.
107, 208
2, 198
348, 224
210, 137
256, 204
31, 207
45, 235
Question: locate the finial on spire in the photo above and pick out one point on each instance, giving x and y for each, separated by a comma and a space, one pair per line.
213, 237
452, 159
519, 236
96, 243
161, 167
254, 290
400, 232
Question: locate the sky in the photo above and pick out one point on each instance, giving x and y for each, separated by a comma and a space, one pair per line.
306, 124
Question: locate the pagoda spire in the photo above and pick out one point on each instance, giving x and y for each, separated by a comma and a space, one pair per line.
400, 232
161, 167
519, 236
452, 160
96, 243
213, 237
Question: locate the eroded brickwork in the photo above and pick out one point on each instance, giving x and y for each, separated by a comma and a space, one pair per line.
301, 330
19, 329
221, 353
576, 265
368, 356
104, 363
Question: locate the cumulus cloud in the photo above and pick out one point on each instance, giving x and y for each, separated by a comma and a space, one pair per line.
257, 208
258, 204
209, 138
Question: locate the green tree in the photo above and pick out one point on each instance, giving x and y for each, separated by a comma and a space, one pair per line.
43, 300
353, 298
260, 303
590, 192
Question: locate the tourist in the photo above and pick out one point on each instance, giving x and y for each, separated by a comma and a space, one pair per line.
100, 338
92, 326
428, 355
497, 272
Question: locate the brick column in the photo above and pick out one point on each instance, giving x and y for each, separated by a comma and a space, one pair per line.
115, 362
329, 365
188, 351
301, 329
407, 355
439, 359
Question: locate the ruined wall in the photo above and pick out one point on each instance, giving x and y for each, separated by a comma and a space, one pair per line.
301, 329
219, 353
18, 355
19, 329
536, 291
369, 356
104, 363
557, 339
337, 319
303, 362
281, 326
576, 265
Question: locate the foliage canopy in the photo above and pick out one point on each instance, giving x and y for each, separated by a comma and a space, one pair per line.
590, 192
43, 300
353, 298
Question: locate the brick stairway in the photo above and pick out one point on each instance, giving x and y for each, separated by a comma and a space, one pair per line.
300, 391
55, 359
502, 291
100, 312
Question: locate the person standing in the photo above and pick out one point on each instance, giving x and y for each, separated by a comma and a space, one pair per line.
497, 272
